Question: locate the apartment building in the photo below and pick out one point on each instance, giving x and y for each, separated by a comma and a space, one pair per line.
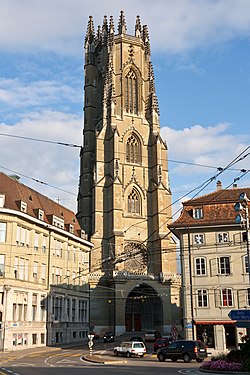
214, 265
44, 263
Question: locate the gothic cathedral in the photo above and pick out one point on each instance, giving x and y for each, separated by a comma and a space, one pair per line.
124, 200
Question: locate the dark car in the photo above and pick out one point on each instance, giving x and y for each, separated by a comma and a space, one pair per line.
183, 349
137, 338
152, 335
161, 343
109, 337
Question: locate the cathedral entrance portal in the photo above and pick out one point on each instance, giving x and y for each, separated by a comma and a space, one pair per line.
143, 309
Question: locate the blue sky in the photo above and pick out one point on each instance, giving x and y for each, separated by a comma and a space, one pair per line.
201, 56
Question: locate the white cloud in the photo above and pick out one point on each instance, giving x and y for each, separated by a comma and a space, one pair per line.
52, 164
17, 94
60, 25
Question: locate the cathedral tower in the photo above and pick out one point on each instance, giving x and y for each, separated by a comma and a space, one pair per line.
124, 201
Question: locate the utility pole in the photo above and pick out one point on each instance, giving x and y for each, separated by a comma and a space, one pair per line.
242, 207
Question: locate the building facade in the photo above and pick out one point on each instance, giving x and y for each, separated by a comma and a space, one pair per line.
124, 201
215, 267
44, 264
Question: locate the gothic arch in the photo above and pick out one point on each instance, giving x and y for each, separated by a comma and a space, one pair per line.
133, 149
143, 309
131, 89
134, 202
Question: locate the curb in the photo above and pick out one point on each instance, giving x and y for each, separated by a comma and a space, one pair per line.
97, 359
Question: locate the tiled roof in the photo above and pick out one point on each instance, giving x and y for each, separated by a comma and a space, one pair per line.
217, 208
15, 192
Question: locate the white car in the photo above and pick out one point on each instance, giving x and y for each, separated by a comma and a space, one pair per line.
131, 348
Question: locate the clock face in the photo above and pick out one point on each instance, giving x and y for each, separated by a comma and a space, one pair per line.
136, 258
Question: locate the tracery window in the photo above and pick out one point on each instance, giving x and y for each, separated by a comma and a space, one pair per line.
134, 202
131, 92
133, 150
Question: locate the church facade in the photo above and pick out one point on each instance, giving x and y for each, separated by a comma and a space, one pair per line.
124, 200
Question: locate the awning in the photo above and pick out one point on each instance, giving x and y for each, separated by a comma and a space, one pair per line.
215, 322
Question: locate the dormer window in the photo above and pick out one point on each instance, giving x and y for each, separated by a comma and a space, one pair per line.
71, 228
57, 222
197, 213
23, 206
40, 214
2, 200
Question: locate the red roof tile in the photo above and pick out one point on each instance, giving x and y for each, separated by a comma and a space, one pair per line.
217, 207
15, 192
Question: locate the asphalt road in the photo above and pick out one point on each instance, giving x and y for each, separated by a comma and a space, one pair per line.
71, 361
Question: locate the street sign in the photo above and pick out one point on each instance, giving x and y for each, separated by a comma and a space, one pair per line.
239, 315
242, 324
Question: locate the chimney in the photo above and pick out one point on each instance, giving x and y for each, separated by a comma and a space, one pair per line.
235, 186
219, 185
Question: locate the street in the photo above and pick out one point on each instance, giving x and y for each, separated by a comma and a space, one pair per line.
42, 361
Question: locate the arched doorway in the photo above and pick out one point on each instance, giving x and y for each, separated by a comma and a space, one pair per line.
143, 309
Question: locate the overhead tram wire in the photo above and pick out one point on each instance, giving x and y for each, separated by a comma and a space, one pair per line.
36, 180
208, 181
122, 153
40, 140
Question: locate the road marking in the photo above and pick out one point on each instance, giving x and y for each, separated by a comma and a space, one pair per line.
23, 364
66, 361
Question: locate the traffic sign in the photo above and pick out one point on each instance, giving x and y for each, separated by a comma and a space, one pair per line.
239, 315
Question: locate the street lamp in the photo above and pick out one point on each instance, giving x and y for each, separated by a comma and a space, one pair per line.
242, 206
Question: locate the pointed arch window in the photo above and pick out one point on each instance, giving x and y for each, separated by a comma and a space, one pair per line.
133, 150
131, 92
134, 202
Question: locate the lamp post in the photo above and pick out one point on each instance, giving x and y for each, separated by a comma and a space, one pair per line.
6, 291
242, 206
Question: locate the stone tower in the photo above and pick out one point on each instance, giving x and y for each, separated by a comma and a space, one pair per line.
124, 201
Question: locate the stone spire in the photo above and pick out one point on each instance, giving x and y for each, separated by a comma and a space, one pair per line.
152, 99
122, 24
104, 29
138, 27
90, 34
145, 37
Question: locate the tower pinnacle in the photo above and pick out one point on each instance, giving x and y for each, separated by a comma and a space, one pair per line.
122, 24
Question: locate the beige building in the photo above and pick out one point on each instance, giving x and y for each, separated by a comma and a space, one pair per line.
124, 201
215, 267
44, 263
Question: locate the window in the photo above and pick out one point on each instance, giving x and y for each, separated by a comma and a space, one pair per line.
134, 202
58, 248
133, 150
199, 239
23, 206
248, 297
226, 297
3, 232
35, 270
202, 298
40, 214
246, 264
44, 245
222, 237
223, 265
1, 265
197, 213
43, 272
34, 306
36, 241
200, 266
43, 307
131, 92
2, 200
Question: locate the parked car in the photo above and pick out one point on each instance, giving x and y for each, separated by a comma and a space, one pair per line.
152, 335
161, 343
109, 337
131, 348
137, 338
183, 349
